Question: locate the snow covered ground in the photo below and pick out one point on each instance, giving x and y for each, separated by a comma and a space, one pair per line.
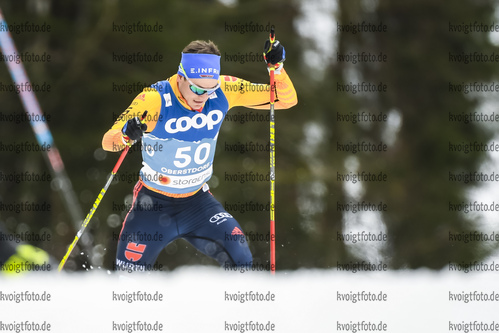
206, 299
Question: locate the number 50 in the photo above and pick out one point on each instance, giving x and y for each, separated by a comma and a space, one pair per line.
184, 154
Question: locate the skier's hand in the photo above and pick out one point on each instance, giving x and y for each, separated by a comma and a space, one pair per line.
275, 55
133, 129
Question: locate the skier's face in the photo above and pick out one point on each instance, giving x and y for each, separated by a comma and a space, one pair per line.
194, 100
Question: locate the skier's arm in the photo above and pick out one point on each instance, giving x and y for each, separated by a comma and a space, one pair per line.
148, 100
240, 92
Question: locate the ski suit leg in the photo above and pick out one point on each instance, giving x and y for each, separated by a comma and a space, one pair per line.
148, 227
216, 233
155, 220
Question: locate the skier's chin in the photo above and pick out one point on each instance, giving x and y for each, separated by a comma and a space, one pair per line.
197, 104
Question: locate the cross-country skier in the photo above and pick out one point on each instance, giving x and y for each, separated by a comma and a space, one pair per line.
17, 257
171, 200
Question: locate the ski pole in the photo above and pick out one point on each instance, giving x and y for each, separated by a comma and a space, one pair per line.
98, 200
272, 158
39, 125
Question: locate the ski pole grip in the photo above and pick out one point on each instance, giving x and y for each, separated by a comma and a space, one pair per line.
143, 118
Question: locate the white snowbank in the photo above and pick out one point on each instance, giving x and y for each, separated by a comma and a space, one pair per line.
197, 299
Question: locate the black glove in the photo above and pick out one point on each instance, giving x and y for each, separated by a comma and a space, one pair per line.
274, 56
134, 129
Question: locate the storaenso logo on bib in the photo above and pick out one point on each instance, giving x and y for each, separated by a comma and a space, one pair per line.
200, 120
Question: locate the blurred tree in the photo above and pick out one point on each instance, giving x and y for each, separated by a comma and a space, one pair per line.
417, 74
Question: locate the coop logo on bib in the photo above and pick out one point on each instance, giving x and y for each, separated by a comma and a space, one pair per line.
200, 120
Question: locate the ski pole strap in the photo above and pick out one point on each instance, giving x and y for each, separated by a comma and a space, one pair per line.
125, 139
272, 36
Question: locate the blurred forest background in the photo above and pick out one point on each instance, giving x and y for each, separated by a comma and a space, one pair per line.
84, 102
